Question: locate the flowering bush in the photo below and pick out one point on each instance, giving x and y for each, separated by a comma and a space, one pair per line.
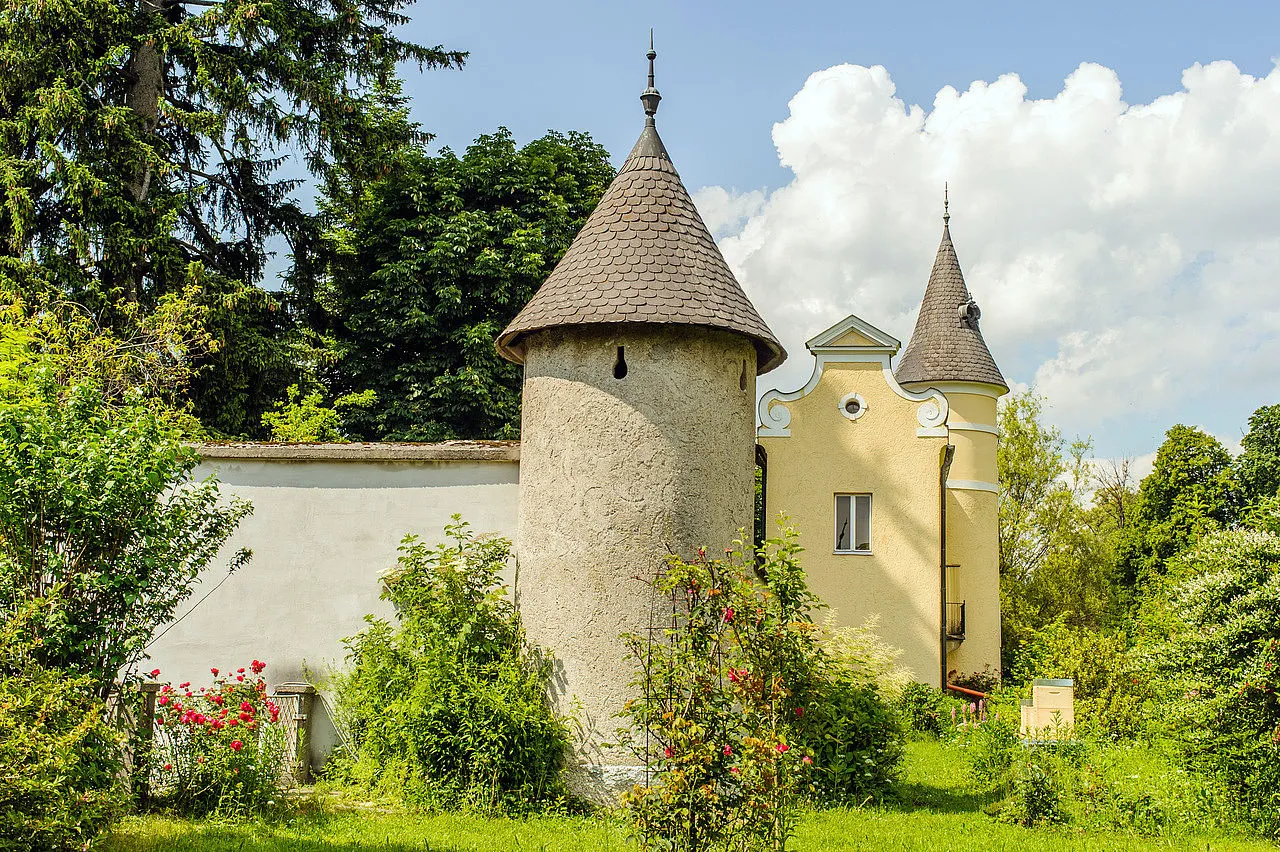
1221, 665
448, 707
220, 749
741, 711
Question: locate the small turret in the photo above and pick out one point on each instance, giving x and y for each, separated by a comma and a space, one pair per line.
640, 356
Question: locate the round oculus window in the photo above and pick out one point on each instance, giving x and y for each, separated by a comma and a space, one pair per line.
853, 406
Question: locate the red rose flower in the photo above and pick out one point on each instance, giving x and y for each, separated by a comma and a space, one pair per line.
236, 745
666, 752
154, 673
168, 766
782, 747
728, 750
215, 672
799, 711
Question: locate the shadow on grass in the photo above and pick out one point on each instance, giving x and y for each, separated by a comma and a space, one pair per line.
302, 832
911, 796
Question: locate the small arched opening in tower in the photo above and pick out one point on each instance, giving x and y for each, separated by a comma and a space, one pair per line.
742, 377
620, 366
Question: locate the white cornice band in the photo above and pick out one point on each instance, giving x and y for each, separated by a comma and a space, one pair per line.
974, 427
972, 485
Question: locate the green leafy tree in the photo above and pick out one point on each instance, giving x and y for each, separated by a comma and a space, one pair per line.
1189, 491
430, 262
142, 148
307, 418
1258, 466
100, 515
1052, 561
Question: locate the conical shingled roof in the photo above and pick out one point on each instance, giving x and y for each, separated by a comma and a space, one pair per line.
947, 345
644, 256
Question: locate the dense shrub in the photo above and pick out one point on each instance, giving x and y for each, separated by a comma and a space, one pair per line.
221, 749
924, 709
741, 710
60, 781
447, 707
1221, 666
854, 738
1113, 683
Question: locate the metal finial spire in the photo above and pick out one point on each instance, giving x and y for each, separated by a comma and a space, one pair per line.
946, 205
650, 97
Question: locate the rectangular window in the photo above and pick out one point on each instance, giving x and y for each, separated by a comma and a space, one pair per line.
853, 523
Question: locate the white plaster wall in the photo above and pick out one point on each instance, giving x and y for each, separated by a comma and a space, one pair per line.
321, 533
615, 475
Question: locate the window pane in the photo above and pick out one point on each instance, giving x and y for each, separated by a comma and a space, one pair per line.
863, 522
843, 533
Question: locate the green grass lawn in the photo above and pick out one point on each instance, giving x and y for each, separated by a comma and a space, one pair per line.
939, 811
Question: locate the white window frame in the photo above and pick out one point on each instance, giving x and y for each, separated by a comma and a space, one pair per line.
853, 498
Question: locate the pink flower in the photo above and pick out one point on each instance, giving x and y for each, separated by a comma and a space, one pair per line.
154, 673
782, 747
163, 700
231, 723
236, 745
733, 769
728, 750
184, 684
215, 672
807, 759
246, 706
728, 614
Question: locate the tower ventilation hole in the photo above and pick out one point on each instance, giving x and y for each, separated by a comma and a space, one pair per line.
742, 379
620, 366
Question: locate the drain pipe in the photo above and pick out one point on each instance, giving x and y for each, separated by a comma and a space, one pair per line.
944, 468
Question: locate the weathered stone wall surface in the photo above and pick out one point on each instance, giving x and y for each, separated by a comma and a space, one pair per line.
615, 473
327, 520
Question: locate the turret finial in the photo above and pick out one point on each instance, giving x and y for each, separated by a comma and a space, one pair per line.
946, 205
650, 97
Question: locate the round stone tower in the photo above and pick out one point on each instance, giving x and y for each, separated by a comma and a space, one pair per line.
947, 352
640, 356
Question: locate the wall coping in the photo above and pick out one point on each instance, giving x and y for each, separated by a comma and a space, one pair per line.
491, 451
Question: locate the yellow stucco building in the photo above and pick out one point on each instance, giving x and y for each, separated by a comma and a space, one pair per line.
889, 476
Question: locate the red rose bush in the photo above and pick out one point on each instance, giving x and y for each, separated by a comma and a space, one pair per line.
219, 749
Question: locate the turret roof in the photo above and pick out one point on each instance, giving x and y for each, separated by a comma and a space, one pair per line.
947, 345
644, 256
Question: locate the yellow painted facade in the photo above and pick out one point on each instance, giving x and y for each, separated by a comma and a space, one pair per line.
891, 445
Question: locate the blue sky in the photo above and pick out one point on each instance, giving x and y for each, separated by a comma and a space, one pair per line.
727, 69
1114, 202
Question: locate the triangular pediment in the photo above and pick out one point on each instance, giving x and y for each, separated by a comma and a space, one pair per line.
854, 333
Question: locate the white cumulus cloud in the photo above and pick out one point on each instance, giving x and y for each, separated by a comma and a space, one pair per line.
1126, 256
